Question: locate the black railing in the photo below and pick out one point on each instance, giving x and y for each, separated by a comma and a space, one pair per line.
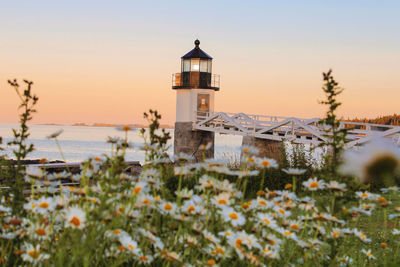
190, 80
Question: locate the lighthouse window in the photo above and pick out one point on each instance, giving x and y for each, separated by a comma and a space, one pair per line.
186, 65
203, 65
203, 103
195, 64
209, 66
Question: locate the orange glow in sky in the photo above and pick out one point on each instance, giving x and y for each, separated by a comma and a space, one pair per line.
109, 63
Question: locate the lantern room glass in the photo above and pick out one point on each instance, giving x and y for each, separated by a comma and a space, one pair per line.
195, 64
185, 65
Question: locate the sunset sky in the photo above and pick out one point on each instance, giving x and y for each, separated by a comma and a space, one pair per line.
109, 61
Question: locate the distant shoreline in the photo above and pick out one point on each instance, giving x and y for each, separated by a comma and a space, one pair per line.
166, 126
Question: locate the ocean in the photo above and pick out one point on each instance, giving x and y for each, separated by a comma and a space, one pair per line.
78, 143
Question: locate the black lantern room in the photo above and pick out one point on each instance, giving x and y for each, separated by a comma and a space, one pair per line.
196, 67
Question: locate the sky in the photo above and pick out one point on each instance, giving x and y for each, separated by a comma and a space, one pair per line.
110, 61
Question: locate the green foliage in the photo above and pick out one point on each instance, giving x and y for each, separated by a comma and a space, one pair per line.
21, 148
155, 140
335, 134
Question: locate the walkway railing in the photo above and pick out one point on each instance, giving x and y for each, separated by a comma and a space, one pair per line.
298, 130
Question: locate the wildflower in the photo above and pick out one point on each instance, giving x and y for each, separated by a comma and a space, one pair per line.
287, 234
273, 241
126, 128
294, 171
368, 254
384, 245
167, 207
207, 146
314, 184
75, 218
295, 225
171, 256
336, 232
267, 163
40, 232
206, 182
249, 150
396, 231
33, 254
190, 207
246, 173
269, 252
281, 212
288, 186
367, 195
345, 261
372, 160
334, 185
267, 220
55, 134
44, 204
209, 236
361, 235
145, 259
184, 193
140, 187
230, 215
130, 244
222, 199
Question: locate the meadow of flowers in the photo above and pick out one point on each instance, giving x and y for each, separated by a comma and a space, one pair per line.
112, 218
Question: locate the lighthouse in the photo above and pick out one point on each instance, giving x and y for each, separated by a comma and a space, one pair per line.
195, 86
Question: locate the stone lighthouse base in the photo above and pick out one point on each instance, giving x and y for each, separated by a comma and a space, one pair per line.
191, 142
267, 148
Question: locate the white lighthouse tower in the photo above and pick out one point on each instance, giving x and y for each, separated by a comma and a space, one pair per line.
195, 86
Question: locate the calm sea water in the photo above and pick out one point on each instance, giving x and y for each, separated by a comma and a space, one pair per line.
79, 143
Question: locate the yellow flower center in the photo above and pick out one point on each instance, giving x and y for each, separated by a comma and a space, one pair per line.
191, 209
262, 202
117, 232
335, 235
211, 262
131, 247
143, 258
33, 254
266, 250
168, 206
137, 189
219, 250
75, 221
233, 216
314, 184
121, 248
295, 226
287, 233
222, 201
146, 201
265, 163
364, 195
40, 231
44, 205
266, 221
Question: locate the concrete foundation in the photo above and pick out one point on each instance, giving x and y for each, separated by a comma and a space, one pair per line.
267, 148
189, 142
